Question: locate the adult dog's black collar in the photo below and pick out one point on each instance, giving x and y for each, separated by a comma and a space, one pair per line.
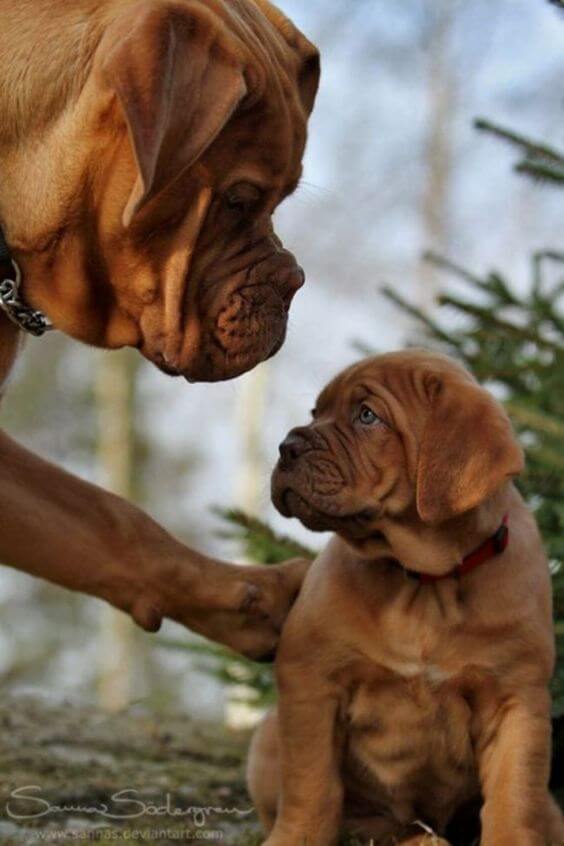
29, 319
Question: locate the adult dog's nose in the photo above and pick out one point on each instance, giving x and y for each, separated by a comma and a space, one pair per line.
288, 281
292, 447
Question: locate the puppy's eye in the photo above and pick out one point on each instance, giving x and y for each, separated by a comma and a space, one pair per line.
367, 417
242, 197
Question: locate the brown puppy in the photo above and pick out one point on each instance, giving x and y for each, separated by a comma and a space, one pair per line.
407, 690
144, 145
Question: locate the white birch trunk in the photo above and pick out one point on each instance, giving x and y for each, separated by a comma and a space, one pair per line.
117, 634
440, 106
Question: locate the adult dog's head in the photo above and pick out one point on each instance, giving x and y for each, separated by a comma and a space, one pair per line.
404, 436
184, 128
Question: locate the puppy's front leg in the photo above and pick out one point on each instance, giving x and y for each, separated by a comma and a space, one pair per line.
310, 805
514, 759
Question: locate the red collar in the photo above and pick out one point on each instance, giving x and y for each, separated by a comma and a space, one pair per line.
491, 547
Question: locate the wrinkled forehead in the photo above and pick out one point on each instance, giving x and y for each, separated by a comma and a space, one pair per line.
262, 145
403, 376
267, 134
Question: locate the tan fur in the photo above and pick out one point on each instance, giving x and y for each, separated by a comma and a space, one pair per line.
400, 701
132, 135
192, 97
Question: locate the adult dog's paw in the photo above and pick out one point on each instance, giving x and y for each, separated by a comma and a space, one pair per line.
243, 607
271, 592
274, 588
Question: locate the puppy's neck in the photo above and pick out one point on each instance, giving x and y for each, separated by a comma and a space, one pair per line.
436, 550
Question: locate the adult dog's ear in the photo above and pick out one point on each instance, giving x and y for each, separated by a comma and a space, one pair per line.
309, 67
308, 80
468, 450
178, 80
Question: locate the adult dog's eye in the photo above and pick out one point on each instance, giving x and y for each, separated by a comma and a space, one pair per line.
242, 197
367, 417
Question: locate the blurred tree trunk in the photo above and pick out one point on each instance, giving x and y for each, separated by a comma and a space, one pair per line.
250, 485
114, 396
441, 91
250, 498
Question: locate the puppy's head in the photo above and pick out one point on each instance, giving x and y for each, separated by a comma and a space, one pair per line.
188, 132
408, 434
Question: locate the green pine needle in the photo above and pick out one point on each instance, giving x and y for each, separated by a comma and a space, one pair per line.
258, 541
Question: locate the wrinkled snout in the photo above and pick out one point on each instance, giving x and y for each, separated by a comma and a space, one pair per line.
244, 312
294, 445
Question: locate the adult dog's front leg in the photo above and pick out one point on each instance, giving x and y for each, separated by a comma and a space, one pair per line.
58, 527
514, 759
310, 806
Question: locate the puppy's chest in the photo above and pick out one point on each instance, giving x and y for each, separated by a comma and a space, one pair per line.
408, 744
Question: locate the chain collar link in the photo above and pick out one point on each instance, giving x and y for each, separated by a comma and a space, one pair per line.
29, 319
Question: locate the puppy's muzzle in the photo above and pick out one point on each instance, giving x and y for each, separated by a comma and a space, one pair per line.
294, 445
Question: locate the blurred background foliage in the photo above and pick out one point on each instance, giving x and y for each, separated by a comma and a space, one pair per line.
393, 168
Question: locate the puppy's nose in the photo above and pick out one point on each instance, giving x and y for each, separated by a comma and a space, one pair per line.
289, 281
292, 447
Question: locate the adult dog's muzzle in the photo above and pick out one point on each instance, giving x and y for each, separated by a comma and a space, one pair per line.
245, 317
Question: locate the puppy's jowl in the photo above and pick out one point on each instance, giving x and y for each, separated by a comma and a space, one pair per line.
414, 668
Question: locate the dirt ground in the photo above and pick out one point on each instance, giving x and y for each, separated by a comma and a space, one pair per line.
70, 774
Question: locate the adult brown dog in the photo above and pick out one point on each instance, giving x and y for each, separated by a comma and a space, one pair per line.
144, 145
407, 690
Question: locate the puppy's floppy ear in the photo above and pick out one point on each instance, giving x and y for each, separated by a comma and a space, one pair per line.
468, 450
178, 81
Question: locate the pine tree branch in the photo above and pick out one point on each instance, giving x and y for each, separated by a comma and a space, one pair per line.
493, 284
533, 148
538, 420
363, 349
443, 263
542, 171
264, 544
423, 319
538, 260
550, 459
253, 682
486, 316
